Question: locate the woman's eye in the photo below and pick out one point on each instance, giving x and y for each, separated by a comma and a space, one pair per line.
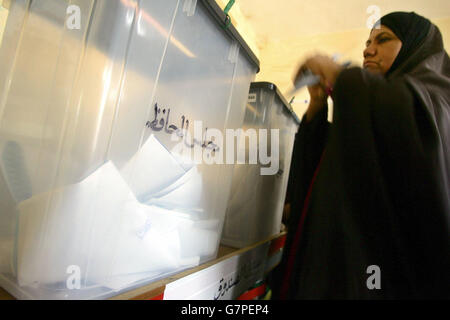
383, 40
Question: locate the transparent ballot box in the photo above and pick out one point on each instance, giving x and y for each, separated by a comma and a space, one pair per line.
258, 189
105, 106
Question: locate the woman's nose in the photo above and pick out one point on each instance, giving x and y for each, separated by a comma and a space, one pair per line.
370, 51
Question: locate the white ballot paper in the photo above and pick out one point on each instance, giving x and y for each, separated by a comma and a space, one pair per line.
76, 225
185, 194
151, 169
99, 227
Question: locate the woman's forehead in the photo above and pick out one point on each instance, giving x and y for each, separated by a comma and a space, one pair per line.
382, 29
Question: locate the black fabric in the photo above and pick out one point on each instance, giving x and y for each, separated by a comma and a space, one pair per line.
310, 150
410, 28
381, 196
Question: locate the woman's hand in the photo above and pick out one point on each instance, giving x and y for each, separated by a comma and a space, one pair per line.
323, 66
328, 71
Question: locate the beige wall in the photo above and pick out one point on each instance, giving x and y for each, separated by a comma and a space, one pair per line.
444, 26
241, 23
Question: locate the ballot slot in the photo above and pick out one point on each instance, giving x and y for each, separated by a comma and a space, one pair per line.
255, 207
95, 195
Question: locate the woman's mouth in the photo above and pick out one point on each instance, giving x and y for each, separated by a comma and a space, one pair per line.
370, 64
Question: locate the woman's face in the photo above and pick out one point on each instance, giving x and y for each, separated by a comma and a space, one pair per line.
382, 48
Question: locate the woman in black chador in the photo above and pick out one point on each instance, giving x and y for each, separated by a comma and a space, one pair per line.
370, 208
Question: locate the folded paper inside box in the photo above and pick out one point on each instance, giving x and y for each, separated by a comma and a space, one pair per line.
116, 226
